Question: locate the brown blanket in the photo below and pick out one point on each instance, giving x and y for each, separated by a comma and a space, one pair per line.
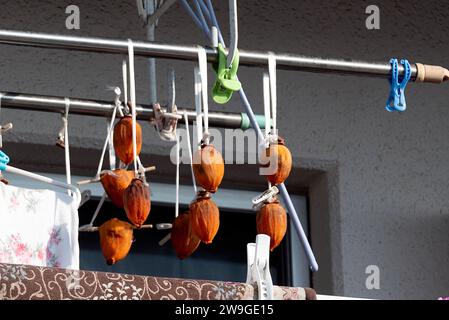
29, 282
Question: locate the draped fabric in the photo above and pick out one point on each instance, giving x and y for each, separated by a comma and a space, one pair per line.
21, 282
38, 227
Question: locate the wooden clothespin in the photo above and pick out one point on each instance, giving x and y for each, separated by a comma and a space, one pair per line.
90, 228
97, 179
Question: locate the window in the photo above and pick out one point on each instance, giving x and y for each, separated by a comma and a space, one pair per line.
224, 259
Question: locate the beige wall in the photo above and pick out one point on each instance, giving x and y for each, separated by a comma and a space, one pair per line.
378, 182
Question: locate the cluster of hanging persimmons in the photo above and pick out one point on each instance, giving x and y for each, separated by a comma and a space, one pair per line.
125, 191
201, 222
271, 218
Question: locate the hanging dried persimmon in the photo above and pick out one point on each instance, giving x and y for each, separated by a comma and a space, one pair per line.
208, 167
279, 153
115, 240
205, 217
137, 202
115, 183
184, 240
123, 139
271, 220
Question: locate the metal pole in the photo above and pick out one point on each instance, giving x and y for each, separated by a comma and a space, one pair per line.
183, 52
160, 11
151, 36
31, 102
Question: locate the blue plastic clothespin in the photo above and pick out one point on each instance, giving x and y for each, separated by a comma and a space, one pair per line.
396, 100
4, 160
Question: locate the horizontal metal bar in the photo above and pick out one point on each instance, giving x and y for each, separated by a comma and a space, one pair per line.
184, 52
103, 108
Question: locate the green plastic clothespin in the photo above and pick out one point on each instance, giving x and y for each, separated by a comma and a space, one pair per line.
227, 81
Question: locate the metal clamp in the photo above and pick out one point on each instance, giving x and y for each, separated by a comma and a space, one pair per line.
60, 141
258, 267
166, 122
264, 196
3, 129
396, 100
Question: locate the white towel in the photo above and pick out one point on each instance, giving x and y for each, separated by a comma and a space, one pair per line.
38, 227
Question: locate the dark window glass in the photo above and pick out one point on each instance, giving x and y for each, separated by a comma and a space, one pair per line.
224, 259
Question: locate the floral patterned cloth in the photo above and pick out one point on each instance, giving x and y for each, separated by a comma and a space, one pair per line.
19, 282
38, 227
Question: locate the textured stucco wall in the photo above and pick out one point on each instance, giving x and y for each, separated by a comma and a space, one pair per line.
392, 188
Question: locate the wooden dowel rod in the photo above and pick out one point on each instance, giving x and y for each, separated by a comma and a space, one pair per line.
95, 180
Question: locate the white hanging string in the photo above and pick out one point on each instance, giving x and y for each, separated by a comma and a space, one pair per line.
132, 89
107, 142
65, 119
141, 170
117, 103
1, 138
1, 97
273, 94
177, 175
266, 107
270, 103
172, 89
202, 61
112, 158
199, 114
178, 161
186, 119
234, 31
125, 81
